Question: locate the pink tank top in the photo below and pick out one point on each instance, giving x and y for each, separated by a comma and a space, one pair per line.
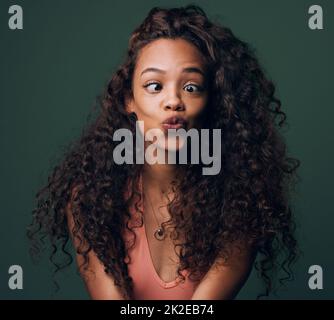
147, 283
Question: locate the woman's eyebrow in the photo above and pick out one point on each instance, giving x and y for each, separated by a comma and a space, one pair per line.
185, 70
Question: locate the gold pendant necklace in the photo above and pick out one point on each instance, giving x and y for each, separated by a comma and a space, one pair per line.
159, 233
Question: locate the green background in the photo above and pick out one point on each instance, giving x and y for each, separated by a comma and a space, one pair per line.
52, 70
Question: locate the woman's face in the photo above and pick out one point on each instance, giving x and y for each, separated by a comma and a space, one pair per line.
169, 81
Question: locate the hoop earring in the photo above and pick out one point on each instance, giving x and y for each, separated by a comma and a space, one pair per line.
132, 117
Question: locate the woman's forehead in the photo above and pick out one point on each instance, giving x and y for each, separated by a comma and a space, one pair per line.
166, 53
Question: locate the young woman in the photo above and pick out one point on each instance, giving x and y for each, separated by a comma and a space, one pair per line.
167, 231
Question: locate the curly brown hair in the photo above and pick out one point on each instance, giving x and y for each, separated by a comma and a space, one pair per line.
249, 199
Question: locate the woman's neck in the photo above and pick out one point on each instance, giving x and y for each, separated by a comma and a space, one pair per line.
158, 176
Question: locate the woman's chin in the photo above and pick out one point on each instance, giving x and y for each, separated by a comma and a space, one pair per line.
171, 145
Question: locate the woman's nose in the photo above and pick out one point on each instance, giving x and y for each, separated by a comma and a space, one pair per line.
173, 102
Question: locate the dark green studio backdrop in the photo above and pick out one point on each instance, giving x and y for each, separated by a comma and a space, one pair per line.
53, 69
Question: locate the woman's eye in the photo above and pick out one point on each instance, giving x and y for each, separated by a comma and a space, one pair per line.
192, 88
153, 87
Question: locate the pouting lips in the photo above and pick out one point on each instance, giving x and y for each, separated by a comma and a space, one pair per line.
173, 126
174, 123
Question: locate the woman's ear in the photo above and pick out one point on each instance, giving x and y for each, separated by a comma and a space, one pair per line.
129, 104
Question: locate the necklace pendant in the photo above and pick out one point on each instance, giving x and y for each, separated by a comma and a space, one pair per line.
159, 234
